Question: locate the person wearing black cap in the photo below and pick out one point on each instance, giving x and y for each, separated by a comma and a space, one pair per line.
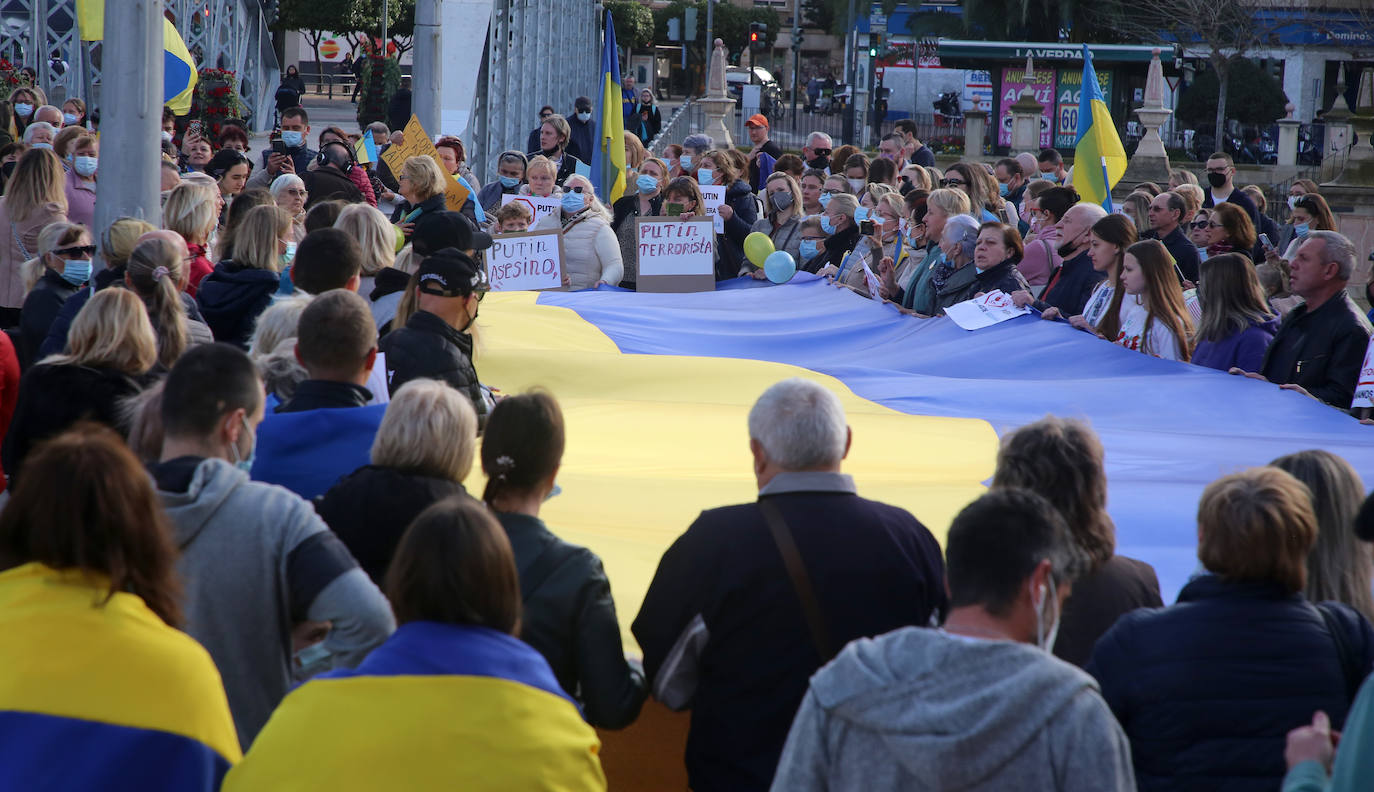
435, 343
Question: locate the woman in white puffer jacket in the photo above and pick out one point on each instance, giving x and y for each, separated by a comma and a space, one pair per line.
591, 253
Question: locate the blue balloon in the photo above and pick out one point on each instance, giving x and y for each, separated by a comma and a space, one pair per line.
779, 266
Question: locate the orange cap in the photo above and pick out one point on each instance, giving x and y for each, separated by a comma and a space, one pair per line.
757, 120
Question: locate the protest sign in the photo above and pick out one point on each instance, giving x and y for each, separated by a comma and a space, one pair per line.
418, 144
1364, 384
676, 255
875, 287
539, 207
984, 311
525, 262
713, 198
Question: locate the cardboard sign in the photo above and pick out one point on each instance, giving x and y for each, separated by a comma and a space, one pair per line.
526, 262
539, 207
1364, 384
714, 198
676, 255
418, 144
985, 311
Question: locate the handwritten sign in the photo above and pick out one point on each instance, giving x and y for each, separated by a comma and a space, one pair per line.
539, 207
985, 311
1364, 386
714, 198
525, 262
676, 255
418, 144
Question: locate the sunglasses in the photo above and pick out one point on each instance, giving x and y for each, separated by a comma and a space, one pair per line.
1199, 224
821, 152
952, 182
76, 250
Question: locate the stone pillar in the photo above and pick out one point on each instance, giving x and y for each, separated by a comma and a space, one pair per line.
1150, 161
1288, 138
1026, 114
717, 103
1358, 167
975, 129
1337, 121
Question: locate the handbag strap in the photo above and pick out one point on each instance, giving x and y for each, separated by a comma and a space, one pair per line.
1349, 664
801, 581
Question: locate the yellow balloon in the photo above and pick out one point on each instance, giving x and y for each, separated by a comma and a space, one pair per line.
757, 247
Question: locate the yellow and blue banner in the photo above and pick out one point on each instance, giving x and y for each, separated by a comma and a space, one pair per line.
1099, 159
608, 157
98, 694
437, 706
179, 74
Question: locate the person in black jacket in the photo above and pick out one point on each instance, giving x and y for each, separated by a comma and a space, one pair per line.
739, 210
568, 614
995, 256
435, 344
1073, 283
65, 252
1166, 224
295, 130
1207, 689
240, 288
722, 626
370, 508
644, 120
329, 180
1320, 347
837, 221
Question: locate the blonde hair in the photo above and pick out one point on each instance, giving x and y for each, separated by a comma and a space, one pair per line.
38, 180
543, 163
1192, 196
410, 298
791, 186
406, 261
430, 429
635, 153
111, 331
52, 237
595, 204
120, 238
949, 200
190, 211
155, 271
425, 175
375, 235
255, 241
1257, 526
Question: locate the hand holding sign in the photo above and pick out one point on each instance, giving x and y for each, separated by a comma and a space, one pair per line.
714, 197
675, 254
539, 207
418, 144
525, 262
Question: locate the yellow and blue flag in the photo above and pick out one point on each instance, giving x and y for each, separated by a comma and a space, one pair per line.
608, 158
438, 706
102, 694
1099, 157
178, 68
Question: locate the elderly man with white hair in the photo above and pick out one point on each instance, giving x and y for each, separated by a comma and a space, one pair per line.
40, 134
1320, 347
817, 150
753, 599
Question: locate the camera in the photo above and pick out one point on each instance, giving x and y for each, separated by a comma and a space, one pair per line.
866, 228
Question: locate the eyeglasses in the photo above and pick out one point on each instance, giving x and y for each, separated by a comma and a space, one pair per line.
76, 250
831, 192
1199, 224
299, 193
1215, 225
952, 182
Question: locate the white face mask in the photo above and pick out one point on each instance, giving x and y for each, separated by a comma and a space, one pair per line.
856, 184
1045, 638
1293, 201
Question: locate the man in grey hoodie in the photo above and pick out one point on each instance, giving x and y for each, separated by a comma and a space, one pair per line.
256, 561
980, 704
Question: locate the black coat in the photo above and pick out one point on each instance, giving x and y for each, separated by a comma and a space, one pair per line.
41, 307
370, 508
232, 297
1208, 689
569, 618
834, 248
740, 198
328, 183
1182, 249
301, 158
53, 397
1099, 599
1071, 286
430, 348
966, 283
1320, 350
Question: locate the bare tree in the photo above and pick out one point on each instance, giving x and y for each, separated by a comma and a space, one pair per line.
1227, 30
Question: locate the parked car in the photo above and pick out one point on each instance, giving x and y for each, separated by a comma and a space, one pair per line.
770, 93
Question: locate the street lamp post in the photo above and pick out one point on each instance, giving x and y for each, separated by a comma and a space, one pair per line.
131, 113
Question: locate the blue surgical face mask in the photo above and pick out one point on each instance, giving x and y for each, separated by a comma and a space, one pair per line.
290, 254
827, 226
76, 272
573, 202
293, 139
47, 146
510, 182
705, 176
861, 214
1301, 229
685, 161
646, 184
825, 199
245, 462
24, 109
584, 117
1002, 189
85, 166
69, 118
810, 248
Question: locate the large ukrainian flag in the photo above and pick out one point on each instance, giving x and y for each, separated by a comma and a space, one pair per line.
608, 158
1099, 158
178, 69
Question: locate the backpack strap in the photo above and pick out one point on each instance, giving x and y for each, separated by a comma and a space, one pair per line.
801, 581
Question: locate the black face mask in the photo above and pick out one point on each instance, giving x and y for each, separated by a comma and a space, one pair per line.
820, 163
1066, 250
1216, 179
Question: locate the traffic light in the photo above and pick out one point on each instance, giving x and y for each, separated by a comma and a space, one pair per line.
875, 44
757, 30
796, 39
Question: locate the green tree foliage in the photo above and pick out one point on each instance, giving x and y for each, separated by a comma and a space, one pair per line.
313, 18
1255, 97
634, 23
1037, 20
731, 27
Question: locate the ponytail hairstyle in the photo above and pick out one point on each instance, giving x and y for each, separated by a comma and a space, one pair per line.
54, 236
522, 445
156, 271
